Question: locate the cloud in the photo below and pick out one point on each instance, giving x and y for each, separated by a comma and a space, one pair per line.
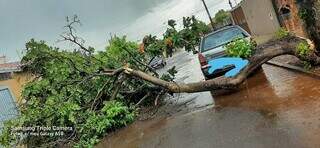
22, 20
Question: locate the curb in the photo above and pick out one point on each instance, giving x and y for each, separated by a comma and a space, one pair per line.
294, 68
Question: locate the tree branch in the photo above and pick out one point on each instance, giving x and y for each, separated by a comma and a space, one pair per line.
142, 63
262, 54
70, 36
118, 86
143, 98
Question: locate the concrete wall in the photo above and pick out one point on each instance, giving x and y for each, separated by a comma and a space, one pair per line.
261, 17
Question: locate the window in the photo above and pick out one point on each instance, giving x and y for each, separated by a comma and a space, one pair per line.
221, 38
8, 109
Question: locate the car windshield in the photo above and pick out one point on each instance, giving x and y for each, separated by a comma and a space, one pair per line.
221, 38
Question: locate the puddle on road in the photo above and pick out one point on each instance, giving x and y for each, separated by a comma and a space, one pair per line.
274, 108
292, 100
274, 89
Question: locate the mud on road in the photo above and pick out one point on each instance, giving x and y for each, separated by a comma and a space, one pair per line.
274, 108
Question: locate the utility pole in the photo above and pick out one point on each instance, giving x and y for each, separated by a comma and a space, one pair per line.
230, 4
205, 6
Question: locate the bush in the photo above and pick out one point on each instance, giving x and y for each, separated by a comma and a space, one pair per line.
303, 49
240, 48
113, 115
67, 94
282, 33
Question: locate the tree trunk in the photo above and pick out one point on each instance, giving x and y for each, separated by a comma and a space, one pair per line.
262, 54
311, 17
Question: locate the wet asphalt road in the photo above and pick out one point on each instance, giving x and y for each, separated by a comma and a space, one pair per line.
274, 108
188, 67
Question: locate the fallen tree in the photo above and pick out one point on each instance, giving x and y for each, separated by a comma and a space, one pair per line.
262, 53
98, 92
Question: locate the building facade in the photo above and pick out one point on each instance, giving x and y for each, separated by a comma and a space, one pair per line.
258, 17
12, 80
262, 18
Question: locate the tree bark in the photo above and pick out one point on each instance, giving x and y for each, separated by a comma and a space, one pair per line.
262, 54
311, 20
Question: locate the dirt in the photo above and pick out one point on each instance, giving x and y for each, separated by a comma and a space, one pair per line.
273, 108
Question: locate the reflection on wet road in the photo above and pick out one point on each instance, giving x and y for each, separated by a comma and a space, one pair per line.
274, 108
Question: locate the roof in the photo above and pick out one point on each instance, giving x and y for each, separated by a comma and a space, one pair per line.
10, 67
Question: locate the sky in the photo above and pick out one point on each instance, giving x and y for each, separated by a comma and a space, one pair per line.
21, 20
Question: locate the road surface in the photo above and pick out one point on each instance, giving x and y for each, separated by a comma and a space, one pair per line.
274, 108
188, 67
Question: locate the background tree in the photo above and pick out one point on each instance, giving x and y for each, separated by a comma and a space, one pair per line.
153, 46
192, 32
171, 37
222, 16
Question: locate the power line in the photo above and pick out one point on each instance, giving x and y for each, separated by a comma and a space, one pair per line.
209, 15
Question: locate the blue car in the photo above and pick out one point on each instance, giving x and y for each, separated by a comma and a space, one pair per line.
212, 46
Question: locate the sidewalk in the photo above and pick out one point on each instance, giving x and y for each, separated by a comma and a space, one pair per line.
293, 63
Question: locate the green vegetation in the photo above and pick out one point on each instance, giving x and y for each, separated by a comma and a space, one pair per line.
70, 88
221, 16
303, 49
69, 92
304, 14
307, 65
188, 38
113, 115
170, 75
282, 33
192, 32
240, 48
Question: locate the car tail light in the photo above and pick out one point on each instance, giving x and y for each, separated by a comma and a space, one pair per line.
202, 59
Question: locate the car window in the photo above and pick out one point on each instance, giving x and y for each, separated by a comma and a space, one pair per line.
221, 38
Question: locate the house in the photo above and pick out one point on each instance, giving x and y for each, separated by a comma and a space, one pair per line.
12, 79
262, 18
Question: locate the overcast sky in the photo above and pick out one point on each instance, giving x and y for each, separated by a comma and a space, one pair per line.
21, 20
